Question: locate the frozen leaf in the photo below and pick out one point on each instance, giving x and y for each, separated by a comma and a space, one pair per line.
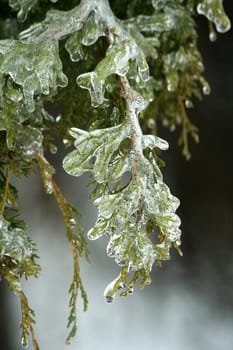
22, 139
95, 152
119, 164
132, 248
121, 206
94, 85
148, 45
23, 7
5, 46
124, 213
154, 23
116, 62
14, 242
74, 47
38, 70
93, 29
58, 24
152, 141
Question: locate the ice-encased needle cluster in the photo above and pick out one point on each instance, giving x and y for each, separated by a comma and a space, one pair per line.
24, 7
129, 215
37, 72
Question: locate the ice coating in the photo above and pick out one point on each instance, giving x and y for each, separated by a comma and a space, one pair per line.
123, 215
23, 7
116, 61
97, 144
14, 242
37, 71
214, 11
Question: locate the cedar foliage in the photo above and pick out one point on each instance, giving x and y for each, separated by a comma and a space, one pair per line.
116, 69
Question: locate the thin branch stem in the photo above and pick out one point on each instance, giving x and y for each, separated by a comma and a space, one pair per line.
185, 124
5, 195
132, 119
63, 27
78, 245
27, 319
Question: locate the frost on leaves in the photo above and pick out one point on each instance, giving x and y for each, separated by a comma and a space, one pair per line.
37, 69
128, 214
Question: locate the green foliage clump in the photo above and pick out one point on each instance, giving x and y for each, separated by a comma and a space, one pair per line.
116, 69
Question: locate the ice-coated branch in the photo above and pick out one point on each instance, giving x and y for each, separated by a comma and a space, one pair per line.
120, 79
134, 104
130, 214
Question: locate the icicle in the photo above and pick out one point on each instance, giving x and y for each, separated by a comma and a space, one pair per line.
214, 11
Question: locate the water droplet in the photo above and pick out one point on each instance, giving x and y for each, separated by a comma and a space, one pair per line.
122, 262
53, 148
148, 281
188, 104
213, 36
121, 285
206, 89
172, 81
223, 25
130, 290
58, 118
165, 122
72, 222
24, 341
109, 299
111, 289
151, 123
65, 142
200, 66
48, 186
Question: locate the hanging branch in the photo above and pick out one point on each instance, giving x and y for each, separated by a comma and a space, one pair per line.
146, 66
78, 243
27, 322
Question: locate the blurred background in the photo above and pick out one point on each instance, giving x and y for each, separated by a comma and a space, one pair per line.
189, 305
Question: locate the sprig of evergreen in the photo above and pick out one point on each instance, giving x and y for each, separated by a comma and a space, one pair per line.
117, 69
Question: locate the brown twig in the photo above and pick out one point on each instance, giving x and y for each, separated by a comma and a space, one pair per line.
27, 319
185, 124
5, 195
